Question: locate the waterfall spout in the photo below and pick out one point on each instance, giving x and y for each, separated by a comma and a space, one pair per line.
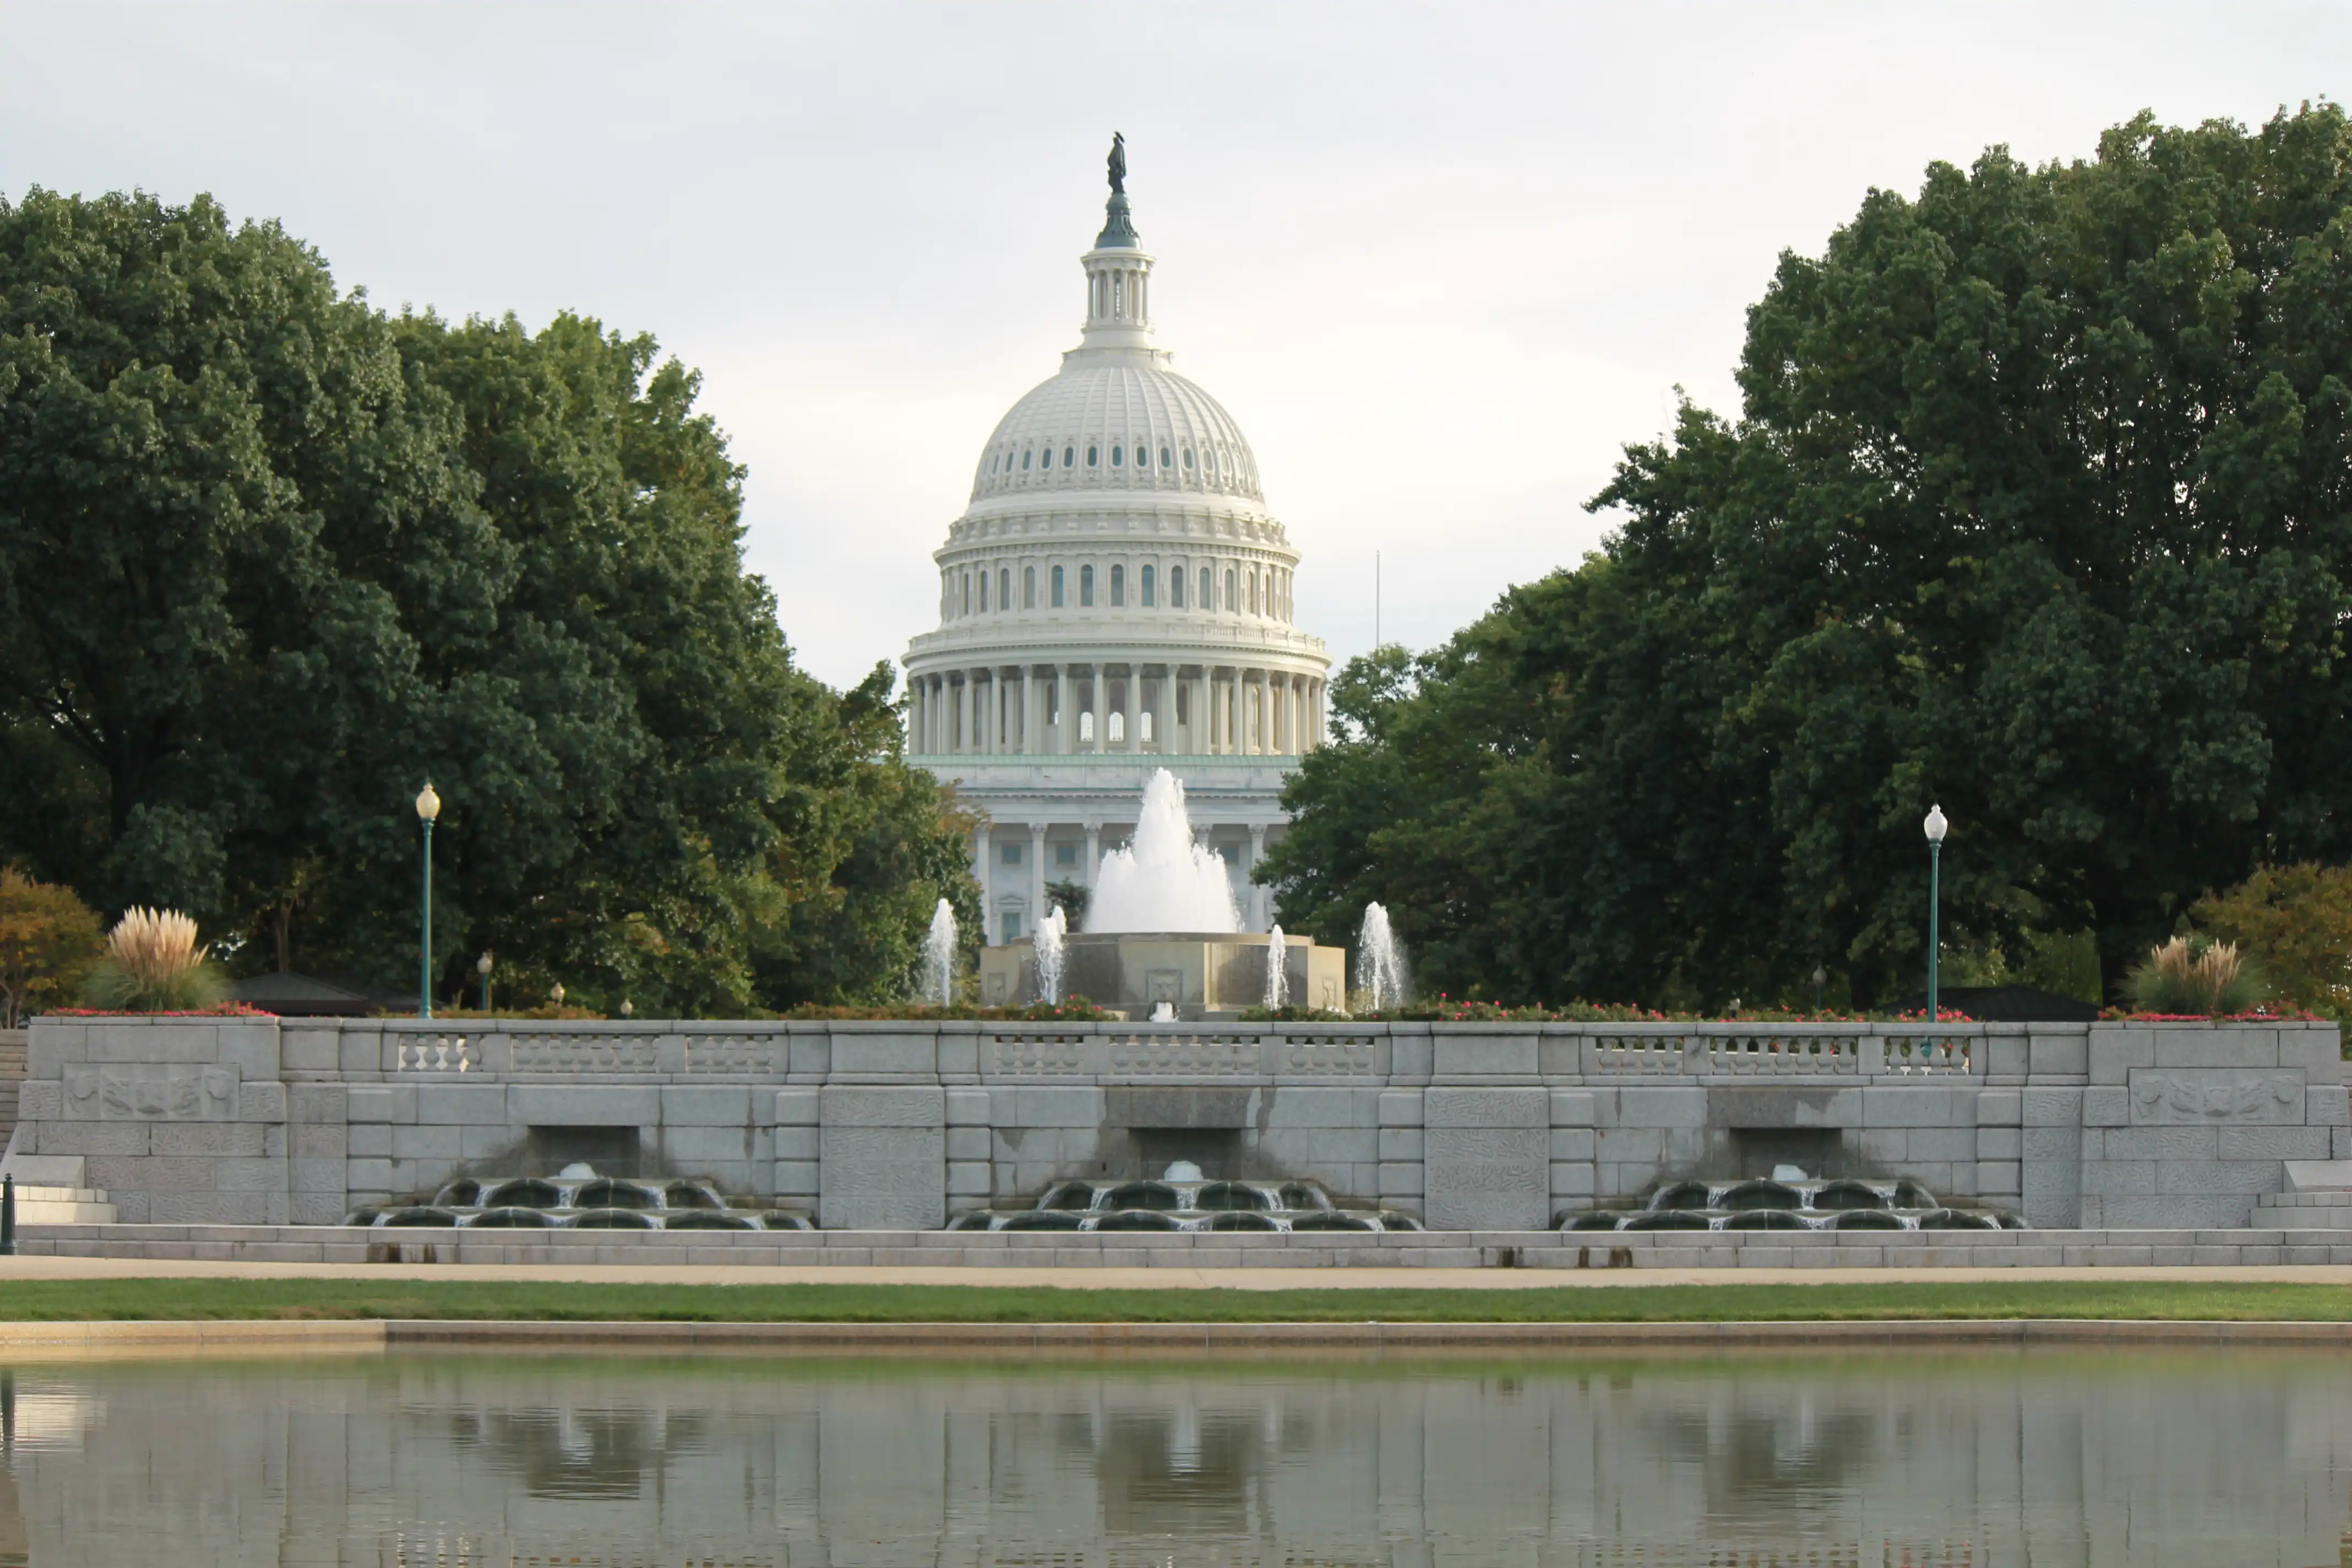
1050, 957
940, 956
1164, 880
1379, 962
1277, 972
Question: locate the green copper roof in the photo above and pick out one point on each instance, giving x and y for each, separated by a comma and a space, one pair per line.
1118, 229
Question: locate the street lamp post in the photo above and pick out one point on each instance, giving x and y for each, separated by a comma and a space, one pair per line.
482, 968
1820, 978
428, 806
1935, 826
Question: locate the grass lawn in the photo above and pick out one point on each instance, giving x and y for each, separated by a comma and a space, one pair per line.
45, 1300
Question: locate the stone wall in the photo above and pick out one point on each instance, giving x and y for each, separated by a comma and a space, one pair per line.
897, 1125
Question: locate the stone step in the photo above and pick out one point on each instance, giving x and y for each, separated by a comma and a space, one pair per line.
29, 1194
2322, 1200
45, 1212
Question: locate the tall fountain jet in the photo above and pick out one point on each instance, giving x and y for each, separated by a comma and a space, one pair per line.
1277, 972
938, 957
1052, 948
1164, 880
1379, 962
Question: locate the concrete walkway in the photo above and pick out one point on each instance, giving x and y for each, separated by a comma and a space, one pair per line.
1089, 1279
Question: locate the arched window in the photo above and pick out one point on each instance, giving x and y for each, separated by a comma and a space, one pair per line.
992, 462
967, 593
1090, 458
1048, 458
1004, 588
1252, 591
1208, 597
1085, 587
1176, 589
1143, 726
1230, 603
1146, 586
1069, 457
1118, 456
1086, 726
1163, 458
1118, 586
1025, 462
1115, 724
1188, 459
1058, 588
1028, 587
983, 590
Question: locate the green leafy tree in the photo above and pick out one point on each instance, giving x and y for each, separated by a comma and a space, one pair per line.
2297, 922
48, 940
2037, 507
271, 559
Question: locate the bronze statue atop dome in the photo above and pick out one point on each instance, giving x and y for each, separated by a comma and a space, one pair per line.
1117, 165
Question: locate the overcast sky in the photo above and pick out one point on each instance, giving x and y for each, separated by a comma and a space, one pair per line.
1440, 260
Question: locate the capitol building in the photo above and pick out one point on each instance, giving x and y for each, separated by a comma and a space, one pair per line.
1117, 598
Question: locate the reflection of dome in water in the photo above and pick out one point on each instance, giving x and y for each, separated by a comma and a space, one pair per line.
1116, 597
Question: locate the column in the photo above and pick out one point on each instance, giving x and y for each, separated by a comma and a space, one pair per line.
1094, 849
1037, 909
1096, 695
1265, 712
1131, 706
1163, 711
1198, 739
1029, 722
1065, 692
987, 904
1255, 919
914, 714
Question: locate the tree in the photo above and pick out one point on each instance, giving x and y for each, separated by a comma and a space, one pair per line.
271, 559
2037, 508
2296, 921
48, 939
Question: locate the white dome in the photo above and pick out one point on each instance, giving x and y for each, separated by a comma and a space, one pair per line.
1119, 427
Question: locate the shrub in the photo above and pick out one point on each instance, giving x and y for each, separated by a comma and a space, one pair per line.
153, 965
2196, 976
2299, 919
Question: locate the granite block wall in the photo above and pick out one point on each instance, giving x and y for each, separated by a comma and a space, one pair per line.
899, 1125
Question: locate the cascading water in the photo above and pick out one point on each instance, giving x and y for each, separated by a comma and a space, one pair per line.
1379, 962
938, 957
1277, 973
1051, 954
1165, 880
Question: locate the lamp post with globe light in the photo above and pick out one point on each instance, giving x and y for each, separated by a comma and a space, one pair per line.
482, 968
428, 806
1936, 826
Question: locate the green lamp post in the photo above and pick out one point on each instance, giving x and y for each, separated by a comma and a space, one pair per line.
1936, 827
428, 806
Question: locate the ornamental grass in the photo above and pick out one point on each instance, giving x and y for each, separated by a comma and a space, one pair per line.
153, 965
2195, 977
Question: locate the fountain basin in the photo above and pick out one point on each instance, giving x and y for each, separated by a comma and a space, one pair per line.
1764, 1203
1171, 1205
1196, 976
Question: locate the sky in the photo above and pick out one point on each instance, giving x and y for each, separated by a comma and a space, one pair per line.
1441, 261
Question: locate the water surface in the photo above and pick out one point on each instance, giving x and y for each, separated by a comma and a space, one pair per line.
470, 1460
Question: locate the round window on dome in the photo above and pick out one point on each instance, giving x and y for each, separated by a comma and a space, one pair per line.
1118, 456
1091, 458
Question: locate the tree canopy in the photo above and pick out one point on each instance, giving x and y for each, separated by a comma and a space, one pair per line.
271, 559
2039, 505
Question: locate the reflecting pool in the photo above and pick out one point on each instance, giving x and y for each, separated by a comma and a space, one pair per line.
443, 1460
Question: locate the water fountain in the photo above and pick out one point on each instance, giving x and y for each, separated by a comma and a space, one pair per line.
1165, 879
1379, 961
577, 1199
1053, 932
1183, 1200
938, 957
1163, 940
1789, 1200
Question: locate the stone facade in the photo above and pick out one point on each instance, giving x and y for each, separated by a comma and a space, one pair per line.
894, 1126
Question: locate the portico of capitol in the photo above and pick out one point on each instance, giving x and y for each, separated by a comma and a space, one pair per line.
1117, 598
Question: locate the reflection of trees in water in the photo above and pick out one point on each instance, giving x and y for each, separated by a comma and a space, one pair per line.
577, 1454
